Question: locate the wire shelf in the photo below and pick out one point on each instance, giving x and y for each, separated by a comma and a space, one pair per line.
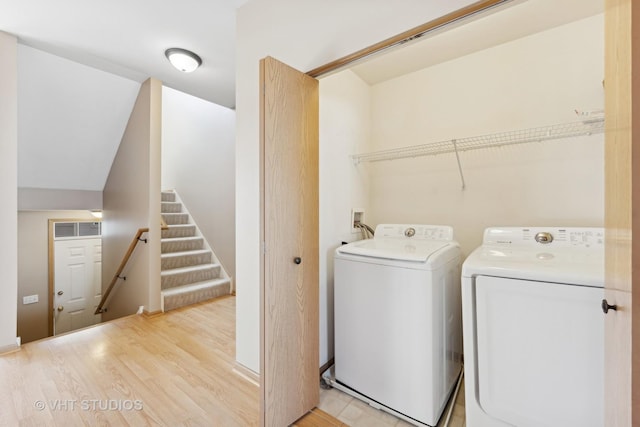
589, 126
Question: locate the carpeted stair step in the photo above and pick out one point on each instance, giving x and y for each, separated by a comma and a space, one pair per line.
181, 244
168, 196
196, 292
190, 271
179, 230
187, 275
171, 207
175, 218
185, 259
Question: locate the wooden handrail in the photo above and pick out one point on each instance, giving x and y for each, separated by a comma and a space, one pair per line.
125, 260
123, 264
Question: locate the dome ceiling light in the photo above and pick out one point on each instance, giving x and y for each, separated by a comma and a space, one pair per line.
184, 60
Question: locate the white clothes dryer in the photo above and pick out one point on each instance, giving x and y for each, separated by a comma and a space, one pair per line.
398, 334
533, 328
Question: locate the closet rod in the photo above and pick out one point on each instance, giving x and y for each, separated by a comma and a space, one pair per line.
590, 126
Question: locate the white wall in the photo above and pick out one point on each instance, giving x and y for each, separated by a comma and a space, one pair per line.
198, 160
70, 121
9, 185
345, 123
534, 81
304, 35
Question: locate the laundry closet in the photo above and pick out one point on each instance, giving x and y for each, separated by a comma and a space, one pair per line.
513, 77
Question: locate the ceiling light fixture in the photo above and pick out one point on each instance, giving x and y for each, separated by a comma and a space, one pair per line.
184, 60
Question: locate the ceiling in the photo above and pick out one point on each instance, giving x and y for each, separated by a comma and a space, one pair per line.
80, 64
128, 38
502, 24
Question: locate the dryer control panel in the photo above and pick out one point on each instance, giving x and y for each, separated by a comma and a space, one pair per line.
586, 237
414, 232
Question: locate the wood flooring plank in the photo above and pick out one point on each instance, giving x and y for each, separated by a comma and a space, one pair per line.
319, 418
179, 366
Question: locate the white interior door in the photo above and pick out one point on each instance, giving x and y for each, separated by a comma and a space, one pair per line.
77, 283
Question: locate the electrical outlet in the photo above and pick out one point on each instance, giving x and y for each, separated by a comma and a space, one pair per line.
30, 299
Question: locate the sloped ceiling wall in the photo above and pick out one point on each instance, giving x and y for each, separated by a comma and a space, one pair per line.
128, 38
71, 118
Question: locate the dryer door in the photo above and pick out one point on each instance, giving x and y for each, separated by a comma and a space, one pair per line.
540, 352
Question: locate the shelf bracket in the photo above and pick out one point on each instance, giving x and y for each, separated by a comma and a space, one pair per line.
455, 149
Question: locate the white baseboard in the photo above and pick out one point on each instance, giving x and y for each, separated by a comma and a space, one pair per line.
11, 348
247, 374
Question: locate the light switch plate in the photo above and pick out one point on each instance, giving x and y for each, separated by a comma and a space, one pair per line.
30, 299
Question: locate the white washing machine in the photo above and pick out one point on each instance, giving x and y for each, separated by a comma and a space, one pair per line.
533, 328
398, 334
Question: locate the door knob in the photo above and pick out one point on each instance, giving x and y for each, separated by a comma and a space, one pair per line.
606, 306
60, 292
297, 260
60, 308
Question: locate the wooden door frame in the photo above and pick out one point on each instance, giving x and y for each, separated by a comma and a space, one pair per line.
52, 259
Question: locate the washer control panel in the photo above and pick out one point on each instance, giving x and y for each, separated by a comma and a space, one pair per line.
545, 236
414, 231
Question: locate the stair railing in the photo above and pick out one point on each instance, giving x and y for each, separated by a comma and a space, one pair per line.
136, 239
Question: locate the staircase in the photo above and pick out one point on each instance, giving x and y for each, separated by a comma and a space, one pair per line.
191, 273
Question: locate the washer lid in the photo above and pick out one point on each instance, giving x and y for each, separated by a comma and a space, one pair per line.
398, 249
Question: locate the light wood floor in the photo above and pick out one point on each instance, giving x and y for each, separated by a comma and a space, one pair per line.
178, 367
174, 369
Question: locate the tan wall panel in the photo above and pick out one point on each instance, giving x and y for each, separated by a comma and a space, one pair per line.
33, 269
131, 200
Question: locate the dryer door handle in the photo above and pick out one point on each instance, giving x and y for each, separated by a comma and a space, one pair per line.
606, 306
